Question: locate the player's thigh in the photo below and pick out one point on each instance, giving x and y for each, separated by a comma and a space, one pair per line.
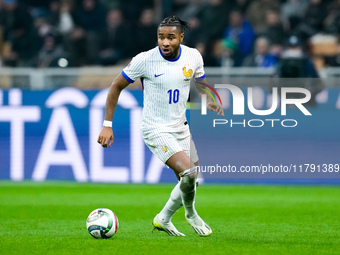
189, 148
188, 145
171, 148
180, 162
193, 151
184, 160
163, 145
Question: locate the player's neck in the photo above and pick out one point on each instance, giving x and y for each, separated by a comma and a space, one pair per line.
177, 55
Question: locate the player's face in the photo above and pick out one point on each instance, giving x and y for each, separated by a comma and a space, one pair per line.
169, 39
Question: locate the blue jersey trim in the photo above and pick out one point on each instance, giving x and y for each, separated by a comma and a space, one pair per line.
200, 78
171, 59
127, 77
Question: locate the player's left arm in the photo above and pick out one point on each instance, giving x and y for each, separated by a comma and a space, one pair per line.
211, 105
202, 88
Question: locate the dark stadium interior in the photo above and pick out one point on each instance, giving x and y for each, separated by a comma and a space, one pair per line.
36, 33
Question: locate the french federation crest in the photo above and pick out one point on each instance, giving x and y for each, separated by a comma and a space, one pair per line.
187, 74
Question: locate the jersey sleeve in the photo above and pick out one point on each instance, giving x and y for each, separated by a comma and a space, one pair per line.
199, 74
135, 69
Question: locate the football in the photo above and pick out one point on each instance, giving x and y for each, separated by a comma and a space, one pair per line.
102, 223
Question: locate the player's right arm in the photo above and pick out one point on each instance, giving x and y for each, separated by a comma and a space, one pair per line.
130, 73
116, 87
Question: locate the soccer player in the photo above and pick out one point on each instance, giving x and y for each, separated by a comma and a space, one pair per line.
165, 72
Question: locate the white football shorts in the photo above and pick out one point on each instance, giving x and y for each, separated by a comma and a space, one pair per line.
166, 144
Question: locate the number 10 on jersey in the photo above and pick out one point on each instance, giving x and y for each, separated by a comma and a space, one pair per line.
173, 96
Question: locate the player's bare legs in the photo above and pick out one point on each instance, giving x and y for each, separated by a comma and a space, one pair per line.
185, 192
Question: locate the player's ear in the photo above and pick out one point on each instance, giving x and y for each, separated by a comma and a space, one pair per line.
182, 37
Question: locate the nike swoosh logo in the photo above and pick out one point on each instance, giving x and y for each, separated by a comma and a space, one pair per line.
156, 75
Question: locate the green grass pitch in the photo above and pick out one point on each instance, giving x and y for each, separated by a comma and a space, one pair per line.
49, 218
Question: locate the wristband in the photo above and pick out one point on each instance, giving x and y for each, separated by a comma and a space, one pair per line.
107, 123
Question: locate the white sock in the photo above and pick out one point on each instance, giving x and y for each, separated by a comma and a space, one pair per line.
188, 191
173, 204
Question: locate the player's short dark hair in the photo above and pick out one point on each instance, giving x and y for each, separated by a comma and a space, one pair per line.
176, 22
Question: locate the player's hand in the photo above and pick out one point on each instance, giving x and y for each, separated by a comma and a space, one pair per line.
105, 136
215, 108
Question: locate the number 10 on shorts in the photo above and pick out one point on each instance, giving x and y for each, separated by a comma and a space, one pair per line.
173, 96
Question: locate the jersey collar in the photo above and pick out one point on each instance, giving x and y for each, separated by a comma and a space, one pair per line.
171, 59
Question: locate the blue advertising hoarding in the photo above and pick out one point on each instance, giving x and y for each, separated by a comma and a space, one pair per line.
49, 135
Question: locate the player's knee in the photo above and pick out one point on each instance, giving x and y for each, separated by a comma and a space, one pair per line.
189, 175
188, 180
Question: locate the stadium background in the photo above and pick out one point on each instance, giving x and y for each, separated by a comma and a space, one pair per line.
58, 57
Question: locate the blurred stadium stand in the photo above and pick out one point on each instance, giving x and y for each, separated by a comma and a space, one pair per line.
53, 44
38, 34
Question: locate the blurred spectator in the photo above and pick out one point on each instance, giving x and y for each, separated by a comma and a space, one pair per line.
146, 32
313, 20
21, 47
115, 46
90, 39
208, 58
60, 23
261, 57
36, 8
1, 32
257, 10
241, 34
191, 10
42, 22
226, 52
132, 9
36, 3
332, 22
273, 29
172, 7
275, 49
194, 34
111, 4
52, 53
204, 33
293, 11
61, 17
212, 27
315, 14
21, 41
90, 23
14, 16
242, 5
2, 13
53, 12
294, 63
